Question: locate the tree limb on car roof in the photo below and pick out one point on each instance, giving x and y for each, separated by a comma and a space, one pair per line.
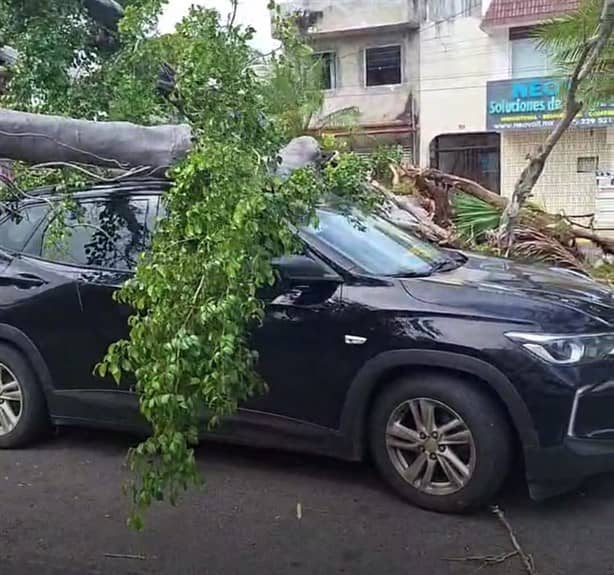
37, 139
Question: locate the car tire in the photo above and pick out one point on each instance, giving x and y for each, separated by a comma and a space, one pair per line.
457, 469
21, 396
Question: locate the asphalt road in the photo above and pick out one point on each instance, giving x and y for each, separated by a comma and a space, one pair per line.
62, 513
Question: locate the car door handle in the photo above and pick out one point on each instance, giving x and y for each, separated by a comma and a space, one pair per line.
30, 279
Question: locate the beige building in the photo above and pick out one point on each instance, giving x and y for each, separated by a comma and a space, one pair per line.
369, 52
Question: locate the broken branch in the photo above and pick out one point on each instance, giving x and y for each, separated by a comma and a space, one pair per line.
526, 558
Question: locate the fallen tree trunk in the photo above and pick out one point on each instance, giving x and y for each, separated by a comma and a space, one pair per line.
40, 139
440, 187
408, 215
461, 184
606, 244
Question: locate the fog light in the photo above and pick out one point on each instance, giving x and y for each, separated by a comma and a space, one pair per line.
592, 412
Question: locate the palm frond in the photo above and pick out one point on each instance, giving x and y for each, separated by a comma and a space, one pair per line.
564, 38
473, 217
533, 245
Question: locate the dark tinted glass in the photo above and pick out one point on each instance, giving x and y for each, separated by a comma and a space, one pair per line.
16, 229
383, 66
326, 60
109, 233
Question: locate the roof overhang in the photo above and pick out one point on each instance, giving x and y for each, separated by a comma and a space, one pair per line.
371, 30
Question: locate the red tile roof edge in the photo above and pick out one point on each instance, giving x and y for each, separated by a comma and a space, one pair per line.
507, 12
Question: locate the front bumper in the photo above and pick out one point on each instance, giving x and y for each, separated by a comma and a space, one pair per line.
587, 445
555, 470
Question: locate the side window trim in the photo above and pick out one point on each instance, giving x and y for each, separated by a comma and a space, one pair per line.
37, 235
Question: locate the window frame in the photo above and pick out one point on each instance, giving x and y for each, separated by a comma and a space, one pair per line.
332, 73
594, 158
365, 52
526, 34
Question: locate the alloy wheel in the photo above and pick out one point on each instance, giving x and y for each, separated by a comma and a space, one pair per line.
11, 400
431, 446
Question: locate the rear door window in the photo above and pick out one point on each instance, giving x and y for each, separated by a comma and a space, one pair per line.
105, 233
17, 228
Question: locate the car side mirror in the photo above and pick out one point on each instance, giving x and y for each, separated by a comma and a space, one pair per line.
305, 268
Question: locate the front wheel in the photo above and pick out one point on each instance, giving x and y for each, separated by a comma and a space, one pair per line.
23, 415
441, 442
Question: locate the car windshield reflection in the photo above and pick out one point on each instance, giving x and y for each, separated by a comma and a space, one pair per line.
376, 246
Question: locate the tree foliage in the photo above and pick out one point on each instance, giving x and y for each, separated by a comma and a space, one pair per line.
564, 39
195, 293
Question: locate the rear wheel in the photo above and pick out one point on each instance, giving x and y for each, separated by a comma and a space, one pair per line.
441, 442
23, 415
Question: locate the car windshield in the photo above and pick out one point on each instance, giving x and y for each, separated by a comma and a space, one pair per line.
376, 246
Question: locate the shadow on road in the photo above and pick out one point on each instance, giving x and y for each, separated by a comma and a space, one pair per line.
211, 455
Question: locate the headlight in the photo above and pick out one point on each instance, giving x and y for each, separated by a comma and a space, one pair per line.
567, 349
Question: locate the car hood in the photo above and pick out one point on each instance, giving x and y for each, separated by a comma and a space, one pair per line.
553, 297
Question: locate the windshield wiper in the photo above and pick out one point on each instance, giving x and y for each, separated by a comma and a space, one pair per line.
409, 274
446, 265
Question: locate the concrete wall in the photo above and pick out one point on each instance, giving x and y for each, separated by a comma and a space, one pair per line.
560, 188
377, 104
457, 59
345, 15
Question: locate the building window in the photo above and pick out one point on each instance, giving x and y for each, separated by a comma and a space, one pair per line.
328, 66
527, 59
587, 165
383, 66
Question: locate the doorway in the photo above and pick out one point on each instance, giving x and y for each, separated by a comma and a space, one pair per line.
475, 156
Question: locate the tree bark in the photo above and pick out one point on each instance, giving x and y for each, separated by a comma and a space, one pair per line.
107, 13
525, 184
462, 184
606, 244
411, 216
40, 139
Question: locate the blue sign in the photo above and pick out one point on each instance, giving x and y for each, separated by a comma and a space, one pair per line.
536, 103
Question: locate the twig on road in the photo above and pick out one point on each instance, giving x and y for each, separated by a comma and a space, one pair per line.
527, 559
124, 556
491, 560
485, 560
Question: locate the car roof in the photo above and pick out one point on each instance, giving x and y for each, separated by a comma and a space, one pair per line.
150, 186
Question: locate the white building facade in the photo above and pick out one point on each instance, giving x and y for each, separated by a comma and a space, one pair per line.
488, 96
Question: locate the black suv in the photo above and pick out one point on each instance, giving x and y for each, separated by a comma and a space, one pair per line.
441, 366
